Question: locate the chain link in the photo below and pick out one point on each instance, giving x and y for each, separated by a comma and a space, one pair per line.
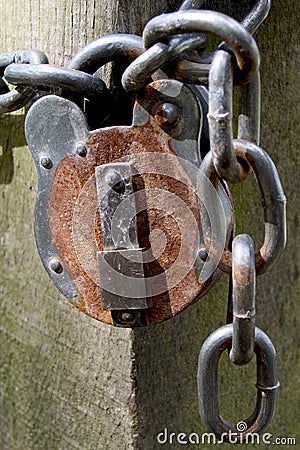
41, 76
111, 48
156, 57
184, 22
266, 384
19, 97
251, 156
243, 299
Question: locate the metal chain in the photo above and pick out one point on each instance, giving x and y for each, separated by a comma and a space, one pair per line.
173, 45
266, 385
243, 299
19, 97
32, 80
232, 160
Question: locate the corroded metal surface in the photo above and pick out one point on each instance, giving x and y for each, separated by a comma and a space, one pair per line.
73, 218
162, 146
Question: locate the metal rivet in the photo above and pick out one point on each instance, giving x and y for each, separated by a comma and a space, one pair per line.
167, 115
56, 265
203, 255
46, 162
81, 150
115, 180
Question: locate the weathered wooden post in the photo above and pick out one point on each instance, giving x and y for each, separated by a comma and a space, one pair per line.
68, 381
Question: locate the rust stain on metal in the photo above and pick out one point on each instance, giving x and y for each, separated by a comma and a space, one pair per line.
72, 208
241, 275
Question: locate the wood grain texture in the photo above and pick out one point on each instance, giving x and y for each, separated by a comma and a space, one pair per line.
68, 381
65, 380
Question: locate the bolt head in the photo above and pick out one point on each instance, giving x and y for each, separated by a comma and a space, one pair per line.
115, 181
167, 115
46, 162
81, 150
203, 255
55, 265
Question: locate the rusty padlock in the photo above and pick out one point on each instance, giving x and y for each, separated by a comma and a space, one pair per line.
118, 209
